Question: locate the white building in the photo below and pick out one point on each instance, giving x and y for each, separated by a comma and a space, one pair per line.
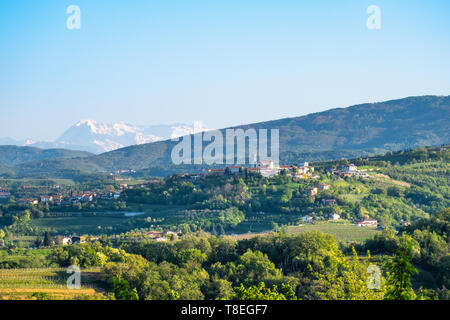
4, 194
66, 241
324, 186
367, 223
351, 168
265, 164
335, 217
46, 198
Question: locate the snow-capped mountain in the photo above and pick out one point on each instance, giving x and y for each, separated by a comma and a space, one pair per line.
97, 137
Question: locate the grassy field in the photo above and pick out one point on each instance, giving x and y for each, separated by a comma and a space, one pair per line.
81, 224
341, 231
101, 222
48, 283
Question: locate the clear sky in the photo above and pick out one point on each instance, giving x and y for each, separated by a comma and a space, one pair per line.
223, 62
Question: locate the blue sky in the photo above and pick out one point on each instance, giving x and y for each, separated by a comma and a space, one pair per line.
221, 62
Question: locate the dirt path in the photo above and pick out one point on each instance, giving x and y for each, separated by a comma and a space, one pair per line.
397, 182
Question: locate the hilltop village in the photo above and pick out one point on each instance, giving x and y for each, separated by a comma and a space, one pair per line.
62, 201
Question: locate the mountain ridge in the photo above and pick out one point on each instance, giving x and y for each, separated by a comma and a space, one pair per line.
360, 130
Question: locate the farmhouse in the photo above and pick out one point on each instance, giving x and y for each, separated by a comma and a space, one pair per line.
324, 186
46, 199
351, 168
154, 234
304, 168
329, 202
307, 218
4, 194
78, 239
311, 192
28, 201
66, 241
367, 223
264, 164
335, 217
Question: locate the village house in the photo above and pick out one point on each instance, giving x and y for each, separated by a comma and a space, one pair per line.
367, 223
289, 169
154, 234
78, 239
46, 199
171, 233
329, 202
334, 217
66, 241
4, 194
87, 196
303, 164
351, 168
307, 219
267, 168
304, 168
28, 201
264, 164
311, 191
107, 196
324, 186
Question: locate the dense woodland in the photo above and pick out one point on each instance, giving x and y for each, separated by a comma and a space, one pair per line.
277, 266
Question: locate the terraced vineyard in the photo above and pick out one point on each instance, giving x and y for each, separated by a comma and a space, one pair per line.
47, 283
341, 231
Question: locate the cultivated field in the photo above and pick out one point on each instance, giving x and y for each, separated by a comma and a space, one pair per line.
47, 283
341, 231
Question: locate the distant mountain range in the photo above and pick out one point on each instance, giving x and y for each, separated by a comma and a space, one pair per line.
360, 130
96, 137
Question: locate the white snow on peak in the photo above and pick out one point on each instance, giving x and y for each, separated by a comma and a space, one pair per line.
98, 137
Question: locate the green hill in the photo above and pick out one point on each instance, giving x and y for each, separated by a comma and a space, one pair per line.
14, 155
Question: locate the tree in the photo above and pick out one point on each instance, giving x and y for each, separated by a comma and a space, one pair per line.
47, 239
343, 279
258, 267
122, 290
260, 292
38, 241
399, 285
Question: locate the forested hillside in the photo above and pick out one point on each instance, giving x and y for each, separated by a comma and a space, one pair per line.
13, 155
366, 129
